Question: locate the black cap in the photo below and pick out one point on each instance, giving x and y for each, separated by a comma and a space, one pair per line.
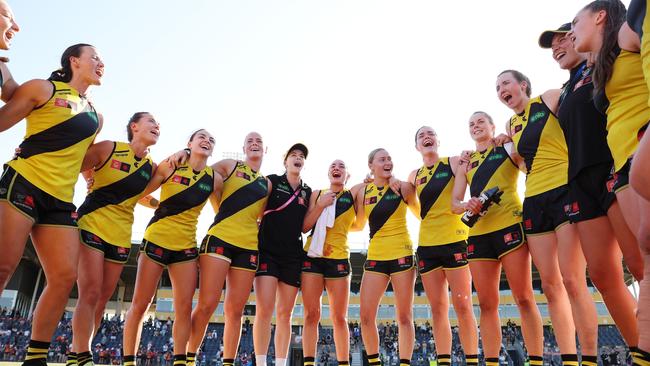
546, 38
298, 146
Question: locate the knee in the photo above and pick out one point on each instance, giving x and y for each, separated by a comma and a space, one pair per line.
6, 271
644, 237
89, 295
552, 288
63, 279
405, 318
489, 306
573, 285
463, 308
524, 299
283, 315
140, 306
439, 309
233, 313
367, 318
339, 320
312, 315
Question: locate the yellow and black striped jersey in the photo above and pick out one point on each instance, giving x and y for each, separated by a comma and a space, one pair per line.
244, 196
386, 212
539, 139
58, 135
182, 197
434, 187
108, 209
493, 168
336, 239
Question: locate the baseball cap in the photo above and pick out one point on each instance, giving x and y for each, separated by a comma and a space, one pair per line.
546, 38
297, 146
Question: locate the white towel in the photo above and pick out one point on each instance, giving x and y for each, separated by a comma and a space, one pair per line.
325, 220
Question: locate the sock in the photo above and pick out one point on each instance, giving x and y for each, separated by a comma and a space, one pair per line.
71, 359
180, 360
260, 360
191, 358
589, 360
344, 363
490, 361
84, 358
37, 351
373, 360
536, 360
280, 361
228, 362
128, 360
471, 360
570, 359
404, 362
309, 361
640, 357
444, 359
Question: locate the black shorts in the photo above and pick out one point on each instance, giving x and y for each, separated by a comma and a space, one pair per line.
112, 253
239, 258
589, 197
286, 270
389, 267
619, 180
41, 207
494, 245
167, 257
448, 256
545, 212
326, 267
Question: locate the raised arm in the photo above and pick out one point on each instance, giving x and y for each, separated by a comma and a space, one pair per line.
162, 172
318, 201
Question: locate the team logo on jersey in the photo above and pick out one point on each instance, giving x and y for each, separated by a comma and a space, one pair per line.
422, 180
474, 164
181, 180
370, 200
537, 116
243, 175
116, 164
518, 128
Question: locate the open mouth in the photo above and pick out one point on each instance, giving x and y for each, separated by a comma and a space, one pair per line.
559, 55
388, 169
336, 175
427, 143
506, 97
99, 72
477, 132
298, 164
9, 35
205, 146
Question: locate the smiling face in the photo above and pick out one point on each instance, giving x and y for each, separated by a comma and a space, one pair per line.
426, 140
337, 172
381, 165
253, 145
201, 143
564, 53
511, 92
587, 30
480, 127
88, 66
295, 161
146, 129
8, 25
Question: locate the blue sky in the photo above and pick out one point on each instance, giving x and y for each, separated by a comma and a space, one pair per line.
342, 76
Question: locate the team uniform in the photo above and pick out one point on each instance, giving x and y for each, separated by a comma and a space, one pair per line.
638, 18
233, 234
335, 261
280, 233
539, 140
500, 231
390, 250
625, 102
106, 216
40, 181
171, 234
443, 237
590, 160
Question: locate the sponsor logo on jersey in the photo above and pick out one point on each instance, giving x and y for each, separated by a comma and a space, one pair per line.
60, 102
391, 196
442, 175
306, 264
518, 128
219, 250
243, 175
422, 180
205, 187
74, 215
181, 180
495, 157
116, 164
401, 260
145, 174
421, 264
371, 264
370, 200
264, 267
474, 164
344, 200
122, 250
158, 252
528, 224
537, 116
253, 259
470, 249
341, 268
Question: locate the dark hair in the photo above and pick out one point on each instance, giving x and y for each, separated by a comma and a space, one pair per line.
195, 132
609, 50
374, 152
520, 77
418, 131
489, 118
134, 119
64, 74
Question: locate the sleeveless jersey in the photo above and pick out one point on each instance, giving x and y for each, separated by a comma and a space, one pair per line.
628, 110
439, 225
243, 198
493, 168
336, 239
386, 212
539, 139
108, 209
182, 197
58, 134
